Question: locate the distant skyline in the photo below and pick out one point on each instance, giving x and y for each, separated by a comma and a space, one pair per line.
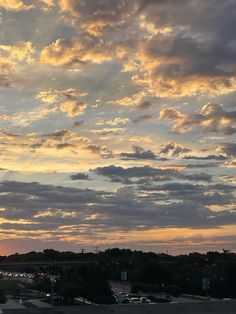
117, 125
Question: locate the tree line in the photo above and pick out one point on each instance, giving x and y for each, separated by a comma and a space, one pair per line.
213, 273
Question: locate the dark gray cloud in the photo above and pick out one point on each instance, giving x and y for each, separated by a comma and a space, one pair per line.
209, 157
100, 15
215, 194
50, 207
80, 176
173, 149
147, 175
78, 123
145, 105
227, 148
197, 177
65, 145
198, 55
139, 154
102, 151
58, 134
197, 15
142, 118
203, 165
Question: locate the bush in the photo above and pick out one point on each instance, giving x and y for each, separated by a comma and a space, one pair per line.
173, 290
104, 299
3, 297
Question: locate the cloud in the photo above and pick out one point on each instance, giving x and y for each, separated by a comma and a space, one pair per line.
177, 67
231, 164
203, 165
142, 118
192, 56
12, 58
96, 16
101, 151
58, 134
34, 145
146, 175
145, 105
47, 97
216, 194
107, 131
87, 49
173, 56
53, 96
115, 121
68, 101
3, 169
73, 108
25, 118
59, 53
6, 81
173, 149
77, 124
74, 215
15, 5
6, 67
136, 99
48, 3
80, 176
208, 157
229, 149
21, 51
211, 118
139, 154
116, 64
140, 139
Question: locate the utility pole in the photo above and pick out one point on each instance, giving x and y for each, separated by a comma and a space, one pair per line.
96, 249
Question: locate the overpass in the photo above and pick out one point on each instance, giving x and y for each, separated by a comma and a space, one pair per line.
46, 263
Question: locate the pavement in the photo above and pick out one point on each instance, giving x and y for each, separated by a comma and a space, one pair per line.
39, 303
11, 305
205, 307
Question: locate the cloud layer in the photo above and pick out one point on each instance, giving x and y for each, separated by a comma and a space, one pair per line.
118, 123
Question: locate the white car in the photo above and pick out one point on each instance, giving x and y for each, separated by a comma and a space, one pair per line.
135, 300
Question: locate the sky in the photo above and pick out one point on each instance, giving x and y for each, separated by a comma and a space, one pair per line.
117, 125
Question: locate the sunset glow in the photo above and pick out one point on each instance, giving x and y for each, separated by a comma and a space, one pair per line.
117, 125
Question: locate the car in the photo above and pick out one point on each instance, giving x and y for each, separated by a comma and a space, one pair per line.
126, 301
145, 300
121, 296
135, 300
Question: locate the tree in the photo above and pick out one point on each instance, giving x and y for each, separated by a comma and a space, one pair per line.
69, 291
3, 297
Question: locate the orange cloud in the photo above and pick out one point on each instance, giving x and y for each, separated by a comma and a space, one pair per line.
96, 16
212, 118
15, 5
68, 100
63, 52
73, 108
